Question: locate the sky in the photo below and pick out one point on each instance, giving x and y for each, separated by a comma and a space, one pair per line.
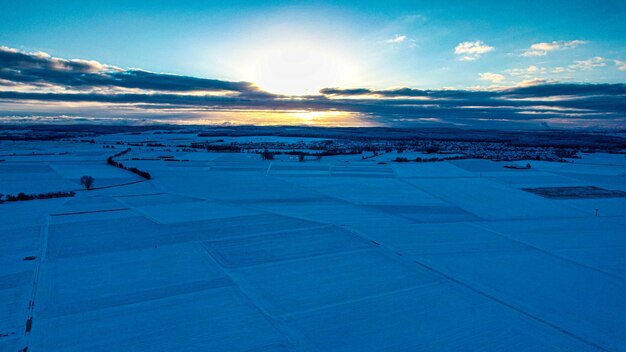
484, 64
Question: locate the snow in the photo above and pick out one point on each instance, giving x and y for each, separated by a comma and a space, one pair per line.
79, 284
442, 169
370, 191
14, 296
256, 250
228, 252
202, 320
299, 285
414, 319
577, 299
31, 178
15, 244
493, 201
193, 211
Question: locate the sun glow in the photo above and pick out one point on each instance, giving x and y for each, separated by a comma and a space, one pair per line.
279, 118
299, 68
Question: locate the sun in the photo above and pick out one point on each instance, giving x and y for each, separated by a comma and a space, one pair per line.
299, 68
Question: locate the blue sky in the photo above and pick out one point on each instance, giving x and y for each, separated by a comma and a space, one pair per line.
292, 48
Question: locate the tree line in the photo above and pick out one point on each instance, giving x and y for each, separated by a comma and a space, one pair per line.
23, 196
134, 170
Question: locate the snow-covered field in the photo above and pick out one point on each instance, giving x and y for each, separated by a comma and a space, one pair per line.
228, 252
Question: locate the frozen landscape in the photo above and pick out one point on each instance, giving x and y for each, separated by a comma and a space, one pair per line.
244, 242
312, 176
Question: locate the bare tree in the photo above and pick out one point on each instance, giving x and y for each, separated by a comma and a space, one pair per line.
87, 182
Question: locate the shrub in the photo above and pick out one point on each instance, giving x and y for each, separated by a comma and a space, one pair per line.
267, 155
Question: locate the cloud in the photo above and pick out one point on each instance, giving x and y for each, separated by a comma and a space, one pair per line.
17, 60
338, 91
468, 51
492, 77
101, 90
578, 93
397, 39
541, 49
587, 65
532, 82
528, 71
577, 90
537, 101
42, 69
621, 65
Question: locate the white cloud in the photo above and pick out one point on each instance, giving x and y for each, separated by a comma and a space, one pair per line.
533, 82
469, 51
535, 69
492, 77
541, 49
590, 64
397, 39
621, 65
530, 70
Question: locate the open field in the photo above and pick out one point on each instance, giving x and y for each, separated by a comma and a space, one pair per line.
229, 252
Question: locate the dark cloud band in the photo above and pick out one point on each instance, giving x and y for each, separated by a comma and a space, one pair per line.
38, 77
41, 69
